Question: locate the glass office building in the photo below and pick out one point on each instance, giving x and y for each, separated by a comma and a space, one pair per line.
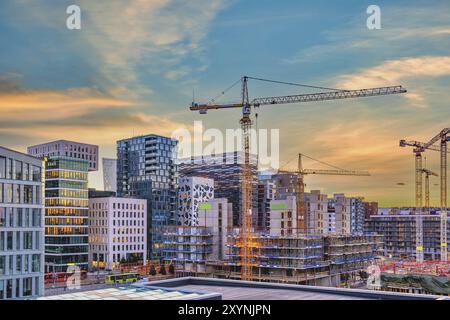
147, 169
66, 213
67, 164
21, 226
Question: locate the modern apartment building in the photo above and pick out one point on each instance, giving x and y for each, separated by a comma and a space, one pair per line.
21, 226
190, 248
70, 149
117, 232
109, 174
349, 214
266, 194
191, 192
399, 232
147, 169
317, 216
282, 217
66, 202
226, 171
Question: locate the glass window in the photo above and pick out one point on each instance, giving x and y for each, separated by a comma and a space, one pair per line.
1, 193
2, 167
36, 173
36, 263
2, 217
18, 170
27, 287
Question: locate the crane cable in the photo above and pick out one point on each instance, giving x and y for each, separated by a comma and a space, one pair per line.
311, 158
295, 84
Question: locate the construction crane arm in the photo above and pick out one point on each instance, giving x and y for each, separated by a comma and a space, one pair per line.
321, 96
333, 95
329, 172
419, 145
438, 137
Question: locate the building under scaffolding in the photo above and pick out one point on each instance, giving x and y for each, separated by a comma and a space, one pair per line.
305, 259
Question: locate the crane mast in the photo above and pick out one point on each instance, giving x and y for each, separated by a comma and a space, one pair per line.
443, 137
247, 238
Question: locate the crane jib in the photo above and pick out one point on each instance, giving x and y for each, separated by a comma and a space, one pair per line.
321, 96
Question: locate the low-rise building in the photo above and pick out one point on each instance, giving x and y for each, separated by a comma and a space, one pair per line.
117, 232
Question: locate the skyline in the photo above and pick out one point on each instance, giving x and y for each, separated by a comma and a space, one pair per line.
132, 67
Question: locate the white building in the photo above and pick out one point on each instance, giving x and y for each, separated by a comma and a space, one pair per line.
117, 231
66, 148
282, 217
191, 247
349, 214
21, 226
318, 218
109, 174
191, 192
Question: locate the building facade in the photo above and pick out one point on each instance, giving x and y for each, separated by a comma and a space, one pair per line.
266, 194
117, 232
226, 171
70, 149
399, 232
191, 192
21, 226
282, 217
67, 165
109, 174
190, 248
317, 216
147, 169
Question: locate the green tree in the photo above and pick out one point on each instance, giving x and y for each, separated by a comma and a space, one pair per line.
171, 269
162, 270
152, 270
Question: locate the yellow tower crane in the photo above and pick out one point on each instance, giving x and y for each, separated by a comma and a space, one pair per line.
246, 234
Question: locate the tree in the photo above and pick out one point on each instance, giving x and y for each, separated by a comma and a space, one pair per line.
162, 270
171, 269
152, 270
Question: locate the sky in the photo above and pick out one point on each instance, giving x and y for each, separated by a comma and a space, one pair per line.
133, 66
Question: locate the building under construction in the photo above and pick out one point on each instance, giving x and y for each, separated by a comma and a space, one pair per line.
301, 259
399, 234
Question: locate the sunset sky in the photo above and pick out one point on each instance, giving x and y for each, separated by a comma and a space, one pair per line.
134, 64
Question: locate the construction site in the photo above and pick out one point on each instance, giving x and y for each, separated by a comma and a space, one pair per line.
301, 259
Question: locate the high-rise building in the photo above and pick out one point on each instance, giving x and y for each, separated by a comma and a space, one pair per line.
109, 174
66, 202
191, 192
349, 214
147, 169
226, 171
70, 149
21, 226
117, 232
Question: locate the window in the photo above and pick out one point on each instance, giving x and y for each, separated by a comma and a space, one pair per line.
2, 218
2, 167
27, 287
36, 173
19, 170
27, 194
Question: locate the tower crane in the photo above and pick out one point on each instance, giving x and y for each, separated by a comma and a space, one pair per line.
246, 233
428, 173
302, 219
443, 137
419, 149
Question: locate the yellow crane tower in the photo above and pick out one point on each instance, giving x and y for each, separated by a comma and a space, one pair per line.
419, 149
246, 234
302, 217
443, 137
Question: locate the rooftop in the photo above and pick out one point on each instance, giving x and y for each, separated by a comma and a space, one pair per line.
135, 292
246, 290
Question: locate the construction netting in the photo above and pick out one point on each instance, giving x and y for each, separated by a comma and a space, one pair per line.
432, 284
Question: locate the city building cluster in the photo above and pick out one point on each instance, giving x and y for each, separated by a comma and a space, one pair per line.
182, 212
